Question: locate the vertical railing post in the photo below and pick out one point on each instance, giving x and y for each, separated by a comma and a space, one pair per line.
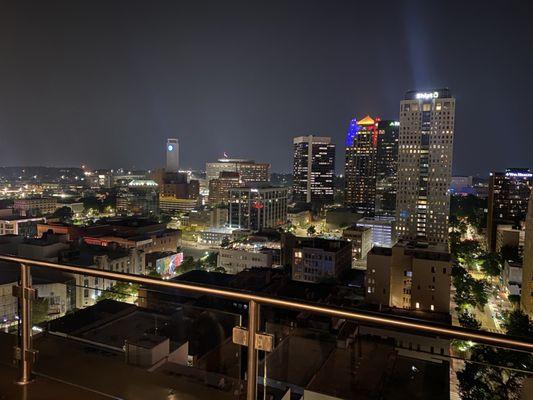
253, 319
24, 352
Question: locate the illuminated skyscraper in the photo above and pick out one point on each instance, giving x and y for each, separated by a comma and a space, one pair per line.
360, 169
424, 165
508, 200
387, 167
173, 155
313, 170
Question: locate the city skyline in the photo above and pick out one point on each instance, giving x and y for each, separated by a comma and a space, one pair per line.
157, 76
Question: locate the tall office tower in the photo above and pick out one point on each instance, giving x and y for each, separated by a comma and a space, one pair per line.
360, 169
526, 297
425, 150
387, 167
508, 199
313, 170
173, 155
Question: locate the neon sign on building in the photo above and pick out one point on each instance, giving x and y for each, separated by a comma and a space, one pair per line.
427, 95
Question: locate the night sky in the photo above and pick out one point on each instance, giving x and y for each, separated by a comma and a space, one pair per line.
105, 82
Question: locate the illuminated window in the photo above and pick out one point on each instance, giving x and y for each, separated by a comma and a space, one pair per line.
417, 305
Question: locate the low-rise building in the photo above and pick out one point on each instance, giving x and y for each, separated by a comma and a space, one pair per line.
315, 259
235, 260
109, 258
510, 236
141, 197
512, 277
298, 217
258, 207
219, 217
383, 230
56, 289
45, 248
171, 204
35, 206
215, 236
19, 225
409, 276
361, 239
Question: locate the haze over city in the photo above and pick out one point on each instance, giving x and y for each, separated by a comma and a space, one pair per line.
105, 83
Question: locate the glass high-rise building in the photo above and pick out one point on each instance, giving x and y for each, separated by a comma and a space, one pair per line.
387, 167
313, 170
360, 169
425, 150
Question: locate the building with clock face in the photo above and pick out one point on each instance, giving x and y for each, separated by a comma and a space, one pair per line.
173, 155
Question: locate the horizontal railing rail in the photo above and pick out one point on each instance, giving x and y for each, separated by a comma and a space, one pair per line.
454, 332
255, 301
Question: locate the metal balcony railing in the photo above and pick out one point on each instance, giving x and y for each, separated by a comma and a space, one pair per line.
26, 355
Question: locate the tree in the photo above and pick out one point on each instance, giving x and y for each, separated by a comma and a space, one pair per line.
91, 203
467, 251
164, 218
491, 264
64, 214
468, 291
210, 260
154, 274
311, 230
468, 320
225, 242
480, 289
462, 281
472, 208
120, 291
495, 373
517, 323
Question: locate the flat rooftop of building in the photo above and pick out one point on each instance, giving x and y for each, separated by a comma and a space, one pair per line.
131, 222
17, 217
417, 250
84, 255
332, 245
259, 186
45, 240
356, 228
374, 370
378, 220
138, 327
381, 251
205, 278
34, 198
296, 360
100, 313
